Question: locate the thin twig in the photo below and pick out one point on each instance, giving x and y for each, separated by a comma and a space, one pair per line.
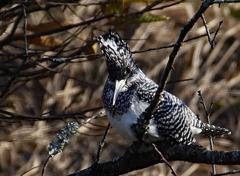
15, 25
225, 1
91, 118
207, 30
164, 159
102, 142
56, 30
168, 5
45, 164
170, 45
90, 56
145, 117
208, 112
227, 173
25, 31
211, 42
57, 61
178, 81
219, 25
87, 22
22, 64
9, 116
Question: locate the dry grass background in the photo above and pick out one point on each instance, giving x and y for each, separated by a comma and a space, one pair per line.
77, 85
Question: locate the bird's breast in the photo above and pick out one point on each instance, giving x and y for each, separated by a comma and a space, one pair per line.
123, 100
122, 123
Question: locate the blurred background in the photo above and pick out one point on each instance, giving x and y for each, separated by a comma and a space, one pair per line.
50, 75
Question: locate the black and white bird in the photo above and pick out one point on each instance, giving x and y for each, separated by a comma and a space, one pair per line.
128, 92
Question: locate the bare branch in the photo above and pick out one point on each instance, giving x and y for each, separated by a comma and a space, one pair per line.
133, 161
9, 116
147, 114
211, 42
227, 173
23, 62
164, 159
207, 30
208, 112
226, 1
102, 142
45, 164
25, 31
214, 37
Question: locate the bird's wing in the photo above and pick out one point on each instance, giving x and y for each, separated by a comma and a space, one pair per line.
172, 117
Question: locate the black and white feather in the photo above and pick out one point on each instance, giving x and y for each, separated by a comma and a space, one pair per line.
128, 92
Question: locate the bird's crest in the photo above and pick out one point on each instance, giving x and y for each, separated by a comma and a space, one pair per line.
118, 56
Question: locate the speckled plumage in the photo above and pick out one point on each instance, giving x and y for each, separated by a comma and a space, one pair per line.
128, 92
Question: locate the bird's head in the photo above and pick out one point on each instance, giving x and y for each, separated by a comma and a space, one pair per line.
119, 60
118, 56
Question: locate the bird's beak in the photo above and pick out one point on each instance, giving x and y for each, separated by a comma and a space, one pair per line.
118, 86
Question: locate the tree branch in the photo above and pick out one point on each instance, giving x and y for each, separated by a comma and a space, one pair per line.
134, 161
145, 117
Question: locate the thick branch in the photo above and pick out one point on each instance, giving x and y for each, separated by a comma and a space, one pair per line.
134, 161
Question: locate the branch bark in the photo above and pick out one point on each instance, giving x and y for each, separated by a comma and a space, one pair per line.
146, 116
134, 161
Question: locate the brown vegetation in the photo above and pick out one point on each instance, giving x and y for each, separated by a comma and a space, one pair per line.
55, 79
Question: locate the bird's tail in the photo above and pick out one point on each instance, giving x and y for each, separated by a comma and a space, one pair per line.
211, 130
